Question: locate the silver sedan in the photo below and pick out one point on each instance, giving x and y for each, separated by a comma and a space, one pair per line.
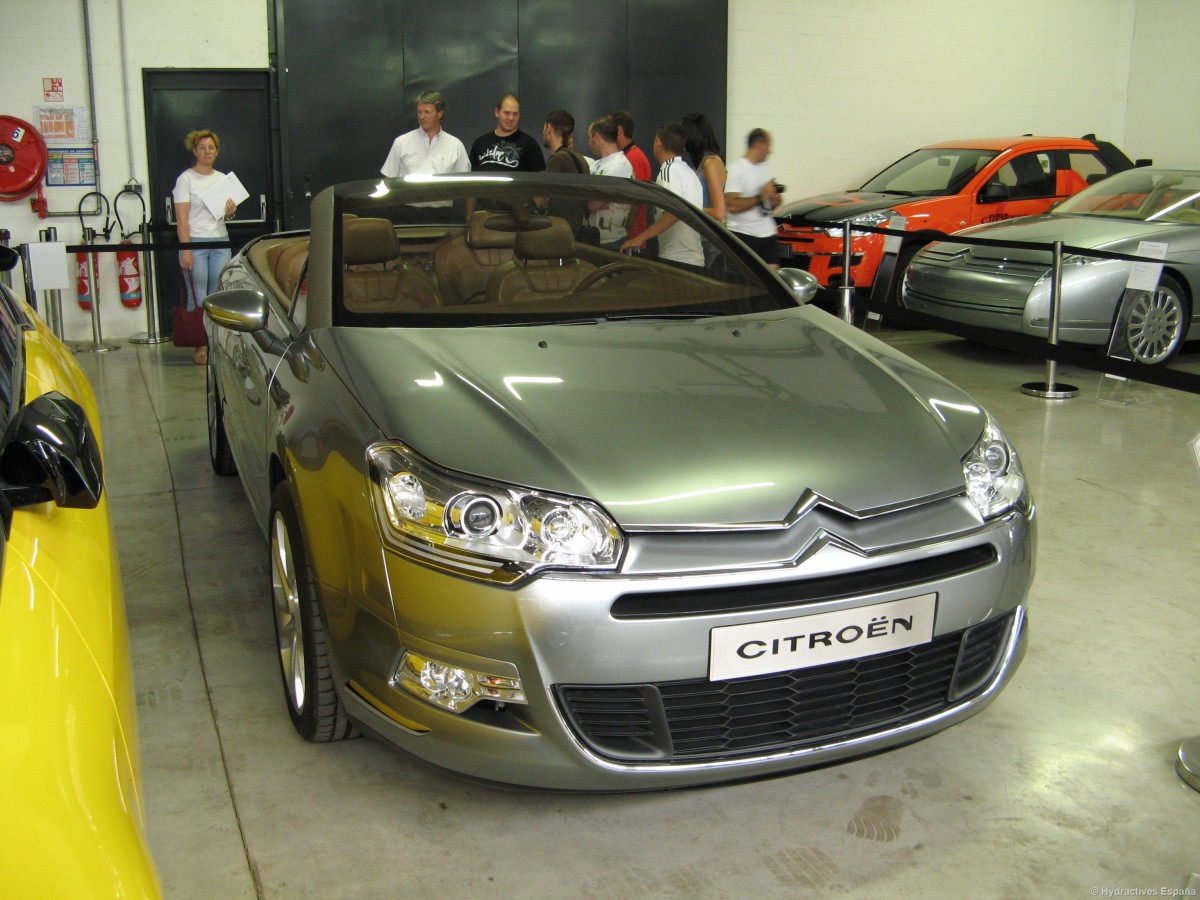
1138, 212
543, 513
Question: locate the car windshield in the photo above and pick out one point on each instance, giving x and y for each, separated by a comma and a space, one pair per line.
1148, 195
466, 250
933, 171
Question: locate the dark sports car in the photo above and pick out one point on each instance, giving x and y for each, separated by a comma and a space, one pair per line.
547, 514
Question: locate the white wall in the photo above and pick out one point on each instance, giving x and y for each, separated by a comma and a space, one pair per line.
845, 86
1163, 119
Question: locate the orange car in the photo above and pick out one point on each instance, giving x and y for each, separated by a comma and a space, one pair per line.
944, 187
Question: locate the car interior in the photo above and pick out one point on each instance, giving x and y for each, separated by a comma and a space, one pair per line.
494, 261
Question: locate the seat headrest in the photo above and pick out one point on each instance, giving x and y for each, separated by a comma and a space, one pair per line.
368, 241
555, 242
481, 237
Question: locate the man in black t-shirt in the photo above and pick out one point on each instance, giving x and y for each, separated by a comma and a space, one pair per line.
507, 149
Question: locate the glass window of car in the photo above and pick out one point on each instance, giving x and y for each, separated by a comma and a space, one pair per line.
298, 309
522, 251
1089, 166
1146, 194
934, 172
1027, 176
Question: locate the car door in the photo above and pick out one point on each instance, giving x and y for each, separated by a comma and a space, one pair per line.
244, 373
1021, 185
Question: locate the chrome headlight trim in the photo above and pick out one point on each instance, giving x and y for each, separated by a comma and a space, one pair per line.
992, 472
483, 529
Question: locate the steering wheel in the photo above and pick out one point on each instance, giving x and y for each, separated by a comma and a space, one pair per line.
607, 271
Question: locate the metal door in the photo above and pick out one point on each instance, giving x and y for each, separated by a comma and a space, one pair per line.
236, 104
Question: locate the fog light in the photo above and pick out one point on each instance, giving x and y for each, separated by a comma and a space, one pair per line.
453, 687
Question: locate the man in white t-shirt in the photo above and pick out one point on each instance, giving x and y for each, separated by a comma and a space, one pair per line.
676, 241
426, 150
611, 219
751, 198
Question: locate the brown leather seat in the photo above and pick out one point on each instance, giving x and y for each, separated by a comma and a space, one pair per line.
289, 266
544, 266
285, 263
464, 264
374, 280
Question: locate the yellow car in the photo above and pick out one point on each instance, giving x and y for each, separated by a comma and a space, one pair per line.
72, 823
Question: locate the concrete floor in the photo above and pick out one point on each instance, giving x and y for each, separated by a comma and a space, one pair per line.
1062, 788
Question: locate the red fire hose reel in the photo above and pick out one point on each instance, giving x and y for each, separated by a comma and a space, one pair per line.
23, 158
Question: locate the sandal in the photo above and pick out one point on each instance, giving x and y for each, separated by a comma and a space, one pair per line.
200, 357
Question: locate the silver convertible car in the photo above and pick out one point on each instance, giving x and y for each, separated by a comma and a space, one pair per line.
544, 513
1008, 288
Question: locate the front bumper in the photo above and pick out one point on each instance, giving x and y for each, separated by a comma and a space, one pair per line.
617, 676
1015, 297
822, 255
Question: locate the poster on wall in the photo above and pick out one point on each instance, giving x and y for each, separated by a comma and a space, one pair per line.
63, 124
52, 90
70, 167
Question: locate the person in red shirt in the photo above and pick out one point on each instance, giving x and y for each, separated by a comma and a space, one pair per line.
637, 159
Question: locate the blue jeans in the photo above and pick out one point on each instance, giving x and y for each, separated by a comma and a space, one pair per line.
206, 270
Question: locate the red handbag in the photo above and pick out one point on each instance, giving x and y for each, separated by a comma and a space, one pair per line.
187, 328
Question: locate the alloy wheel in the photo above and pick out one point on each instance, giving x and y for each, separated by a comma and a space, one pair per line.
288, 627
1157, 323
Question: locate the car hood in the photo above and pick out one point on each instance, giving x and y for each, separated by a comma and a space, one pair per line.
726, 421
839, 206
1087, 232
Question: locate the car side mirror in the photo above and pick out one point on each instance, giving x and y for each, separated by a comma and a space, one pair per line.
993, 192
243, 310
804, 285
52, 454
239, 309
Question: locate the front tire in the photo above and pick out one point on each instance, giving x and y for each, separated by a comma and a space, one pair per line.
316, 711
1158, 323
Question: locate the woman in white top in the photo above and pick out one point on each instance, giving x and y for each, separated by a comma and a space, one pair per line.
195, 224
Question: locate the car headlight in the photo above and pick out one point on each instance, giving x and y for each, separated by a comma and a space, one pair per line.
1074, 261
482, 529
875, 219
993, 473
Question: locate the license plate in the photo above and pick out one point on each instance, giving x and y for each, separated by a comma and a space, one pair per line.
762, 648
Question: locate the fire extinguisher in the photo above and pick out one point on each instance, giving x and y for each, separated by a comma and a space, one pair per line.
83, 275
128, 272
87, 277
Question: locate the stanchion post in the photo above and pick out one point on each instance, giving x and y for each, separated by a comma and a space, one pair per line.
151, 336
97, 345
1049, 389
846, 292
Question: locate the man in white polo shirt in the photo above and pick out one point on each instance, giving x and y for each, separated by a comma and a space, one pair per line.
426, 150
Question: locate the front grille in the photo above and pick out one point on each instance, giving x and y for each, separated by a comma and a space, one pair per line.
697, 720
710, 601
